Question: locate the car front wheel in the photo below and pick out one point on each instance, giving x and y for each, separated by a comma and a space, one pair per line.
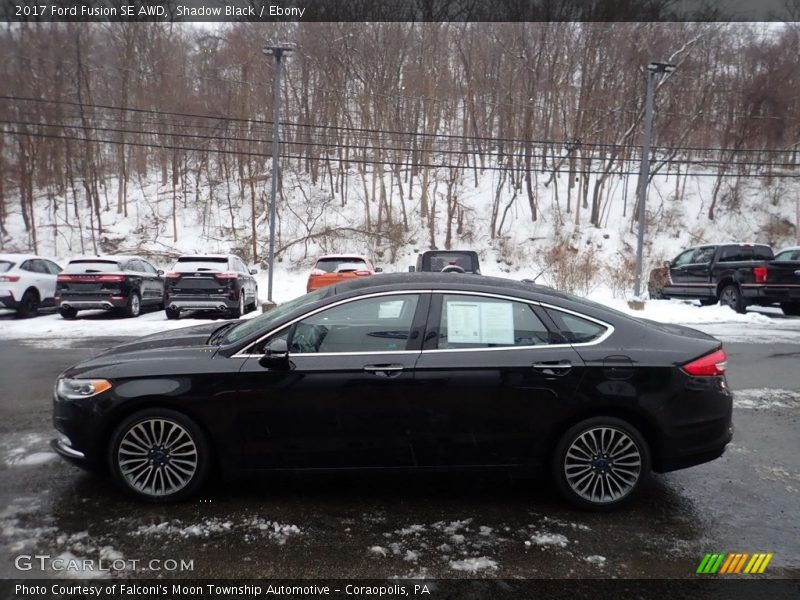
159, 455
600, 462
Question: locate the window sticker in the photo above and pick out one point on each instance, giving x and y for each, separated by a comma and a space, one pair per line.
391, 309
463, 322
480, 323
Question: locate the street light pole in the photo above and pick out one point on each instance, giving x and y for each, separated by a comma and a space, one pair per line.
653, 69
277, 52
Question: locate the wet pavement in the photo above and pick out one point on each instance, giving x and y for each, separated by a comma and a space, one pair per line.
410, 525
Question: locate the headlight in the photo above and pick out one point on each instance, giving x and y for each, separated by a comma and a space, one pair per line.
75, 389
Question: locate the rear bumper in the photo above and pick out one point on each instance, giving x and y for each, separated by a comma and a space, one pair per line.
92, 302
7, 300
768, 294
201, 302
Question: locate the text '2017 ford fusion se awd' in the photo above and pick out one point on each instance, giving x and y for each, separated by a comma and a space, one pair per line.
404, 371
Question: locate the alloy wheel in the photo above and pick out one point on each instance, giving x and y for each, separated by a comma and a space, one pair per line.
602, 465
157, 457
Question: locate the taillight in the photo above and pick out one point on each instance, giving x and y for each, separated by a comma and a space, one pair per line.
710, 365
174, 276
64, 278
316, 273
9, 278
112, 278
363, 273
760, 273
225, 276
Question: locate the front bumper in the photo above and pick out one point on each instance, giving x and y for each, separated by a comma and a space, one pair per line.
205, 303
92, 302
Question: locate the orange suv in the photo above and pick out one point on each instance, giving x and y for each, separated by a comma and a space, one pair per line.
335, 268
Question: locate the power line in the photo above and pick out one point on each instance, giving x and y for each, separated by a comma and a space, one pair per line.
549, 143
372, 162
250, 140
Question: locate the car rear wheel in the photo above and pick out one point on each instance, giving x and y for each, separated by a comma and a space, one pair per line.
792, 310
134, 305
172, 313
67, 312
159, 455
731, 296
28, 304
600, 462
237, 312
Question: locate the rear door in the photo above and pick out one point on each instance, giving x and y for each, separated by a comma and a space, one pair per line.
492, 378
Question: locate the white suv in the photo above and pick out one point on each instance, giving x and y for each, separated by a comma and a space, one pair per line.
27, 282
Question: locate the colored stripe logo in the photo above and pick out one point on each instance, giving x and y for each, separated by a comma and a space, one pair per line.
734, 563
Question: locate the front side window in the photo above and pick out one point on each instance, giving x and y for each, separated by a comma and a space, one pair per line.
484, 322
52, 267
684, 258
380, 324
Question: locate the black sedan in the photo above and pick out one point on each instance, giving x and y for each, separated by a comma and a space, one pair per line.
404, 371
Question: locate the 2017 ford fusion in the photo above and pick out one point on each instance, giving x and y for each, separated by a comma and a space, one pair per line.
404, 371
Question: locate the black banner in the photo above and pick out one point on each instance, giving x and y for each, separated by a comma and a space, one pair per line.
398, 10
466, 589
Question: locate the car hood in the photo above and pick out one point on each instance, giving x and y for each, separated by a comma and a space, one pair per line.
159, 350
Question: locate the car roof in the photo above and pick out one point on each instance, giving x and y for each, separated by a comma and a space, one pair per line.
788, 249
343, 256
13, 256
109, 258
444, 281
209, 255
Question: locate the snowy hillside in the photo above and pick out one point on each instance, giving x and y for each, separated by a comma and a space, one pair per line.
562, 252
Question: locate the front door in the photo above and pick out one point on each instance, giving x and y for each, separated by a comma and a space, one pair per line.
343, 401
492, 376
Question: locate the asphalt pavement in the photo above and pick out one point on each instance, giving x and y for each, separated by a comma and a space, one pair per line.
373, 525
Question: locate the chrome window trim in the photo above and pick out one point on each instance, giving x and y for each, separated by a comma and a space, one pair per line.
242, 353
602, 338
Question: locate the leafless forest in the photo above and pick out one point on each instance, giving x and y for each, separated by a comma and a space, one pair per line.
381, 114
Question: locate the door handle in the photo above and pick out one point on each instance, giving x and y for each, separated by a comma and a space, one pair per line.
384, 370
554, 368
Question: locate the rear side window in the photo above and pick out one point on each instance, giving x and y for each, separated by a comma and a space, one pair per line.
762, 252
785, 256
703, 256
5, 266
190, 264
440, 261
575, 329
92, 266
483, 322
341, 264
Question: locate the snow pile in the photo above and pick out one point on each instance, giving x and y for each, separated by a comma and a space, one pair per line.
250, 528
756, 399
596, 559
204, 529
544, 539
473, 565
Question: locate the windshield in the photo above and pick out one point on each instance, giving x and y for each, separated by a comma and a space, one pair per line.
190, 264
263, 322
332, 265
92, 266
5, 266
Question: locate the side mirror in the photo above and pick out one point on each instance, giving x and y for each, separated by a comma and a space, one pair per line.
276, 355
412, 268
160, 273
378, 269
253, 271
668, 264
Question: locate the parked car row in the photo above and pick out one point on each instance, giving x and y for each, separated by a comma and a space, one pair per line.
733, 274
127, 284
